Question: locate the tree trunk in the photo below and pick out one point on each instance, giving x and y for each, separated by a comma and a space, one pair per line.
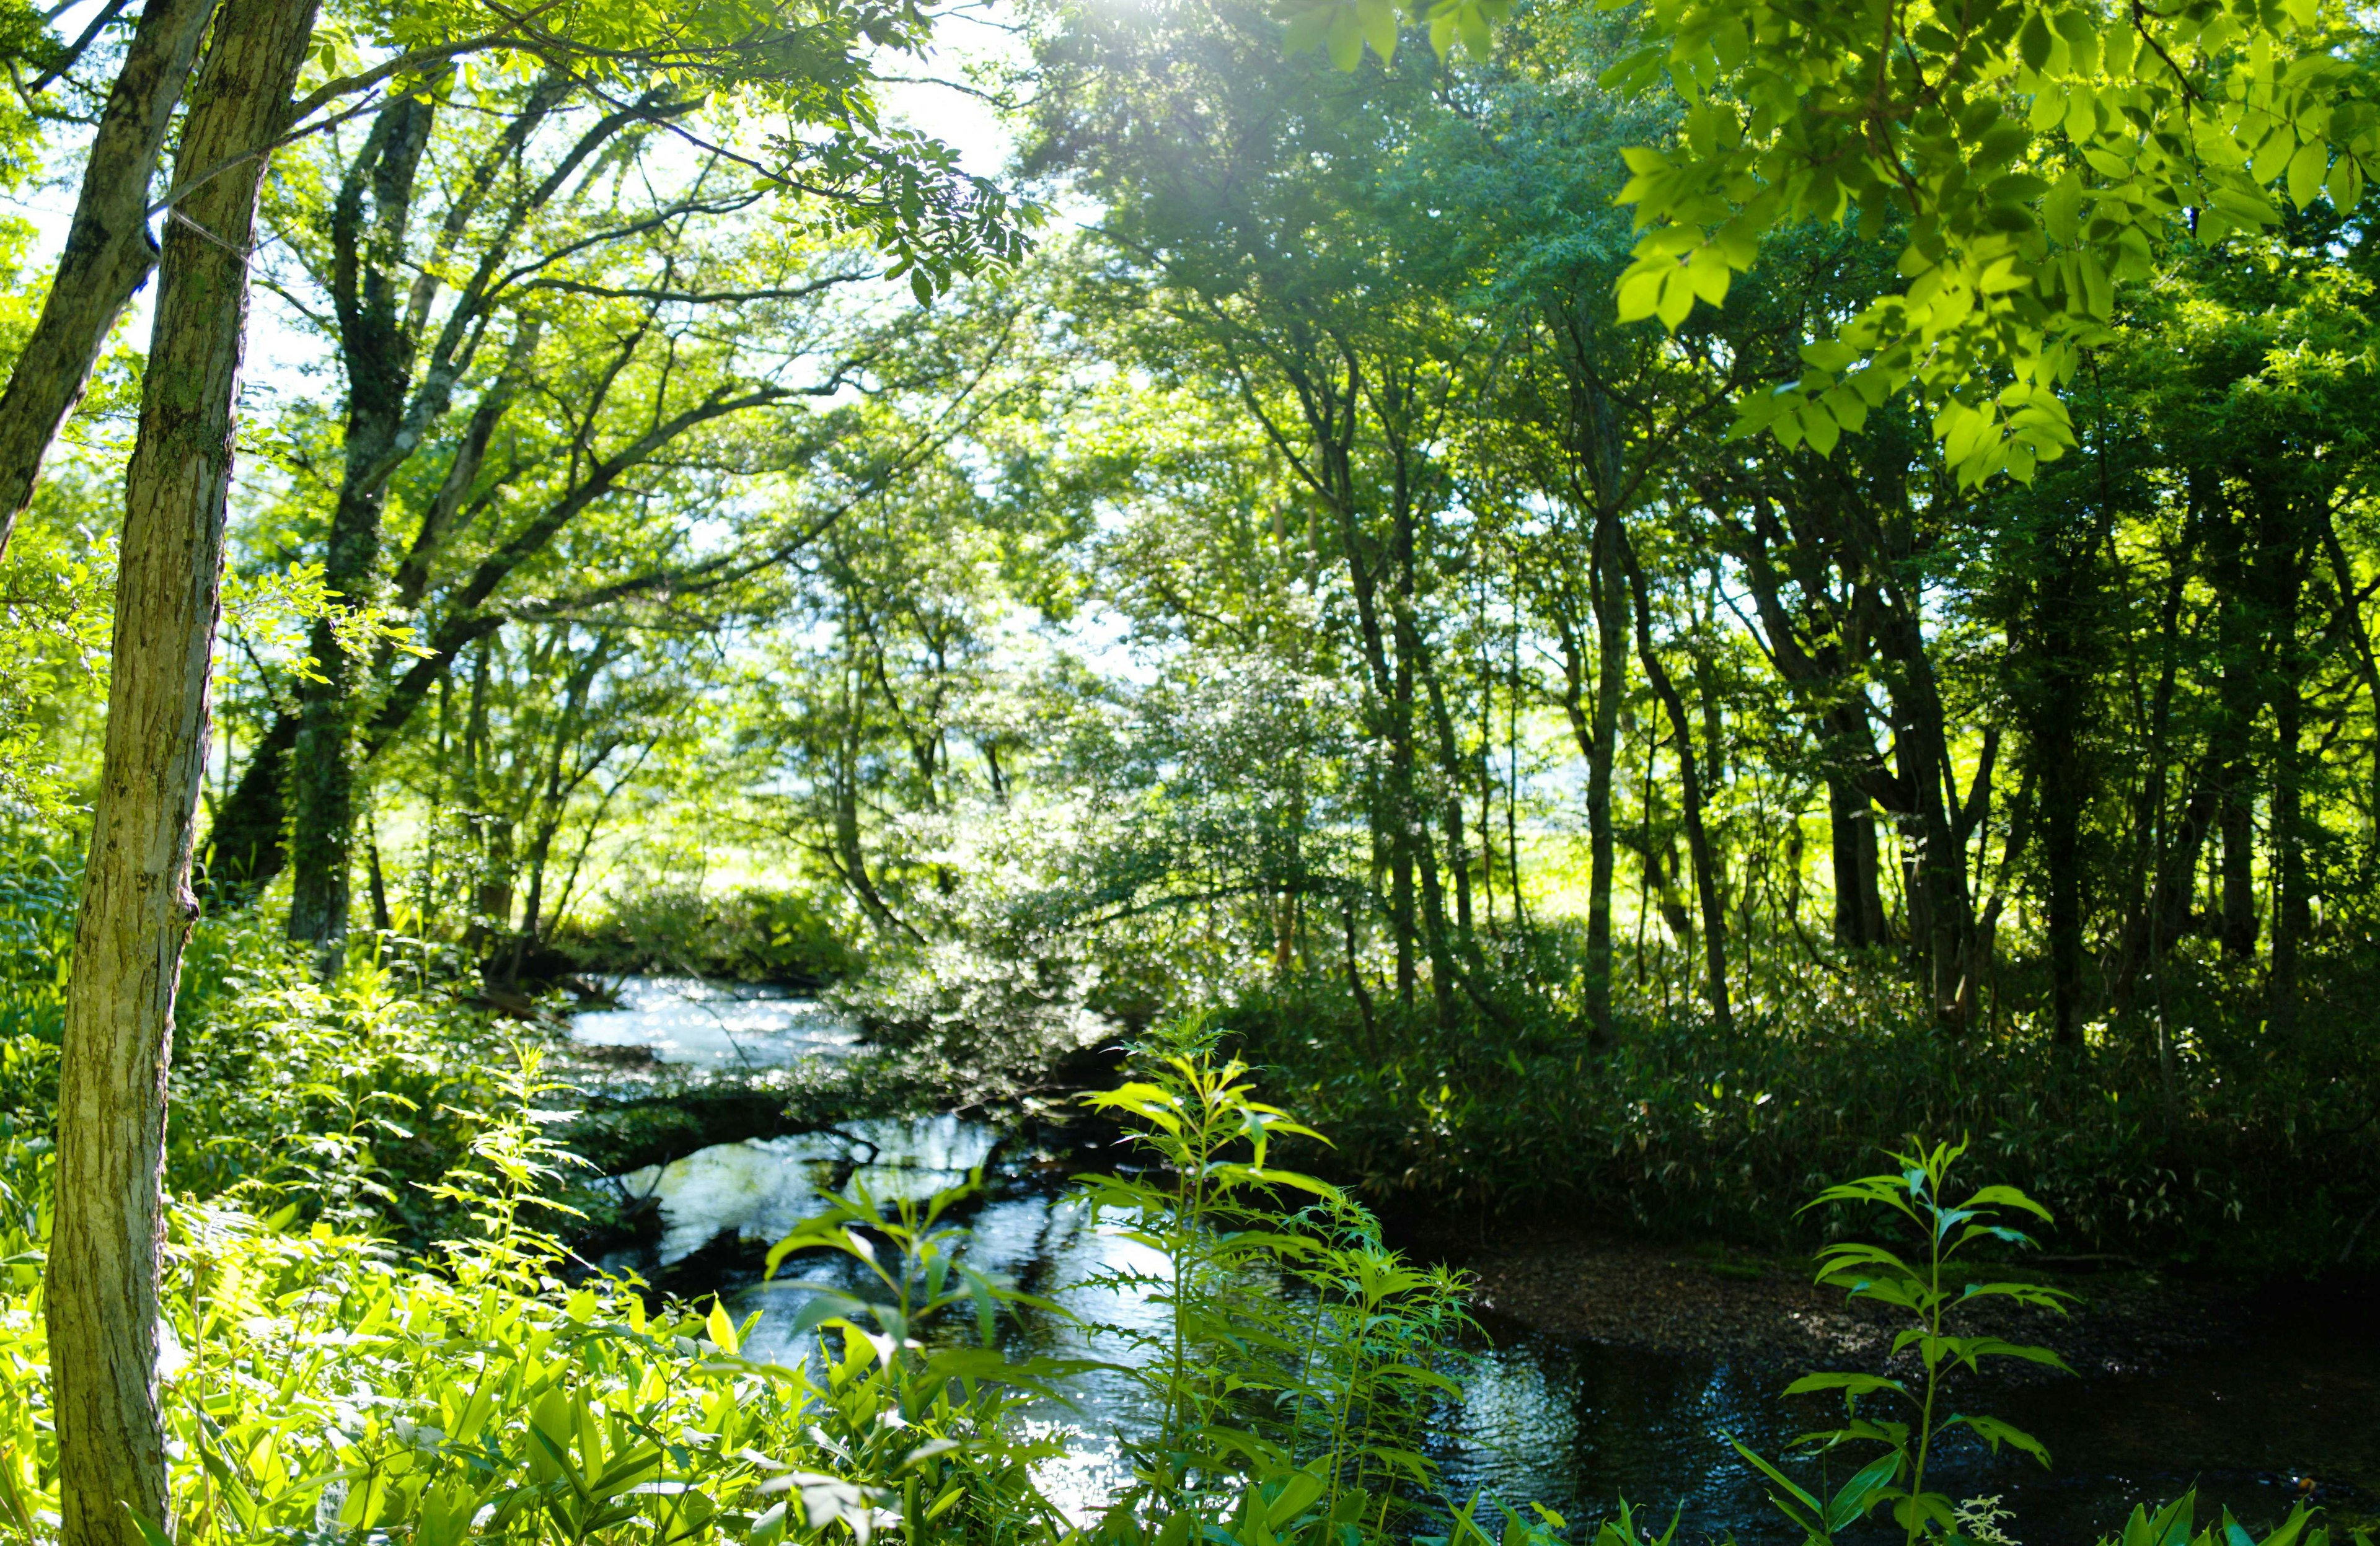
2065, 603
243, 847
2293, 911
2240, 635
1698, 844
108, 250
368, 293
2292, 903
1859, 897
1596, 728
102, 1290
2150, 884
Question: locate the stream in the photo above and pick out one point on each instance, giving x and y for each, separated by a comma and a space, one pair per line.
2292, 1401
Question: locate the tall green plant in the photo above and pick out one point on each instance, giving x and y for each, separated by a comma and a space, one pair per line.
1927, 1287
935, 1420
1290, 1370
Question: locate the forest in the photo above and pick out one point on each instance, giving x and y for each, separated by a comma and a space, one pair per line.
1123, 772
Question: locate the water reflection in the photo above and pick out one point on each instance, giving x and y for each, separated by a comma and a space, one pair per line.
760, 1189
1573, 1425
1579, 1425
723, 1026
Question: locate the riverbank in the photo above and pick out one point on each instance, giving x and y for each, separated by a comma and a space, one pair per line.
1562, 1280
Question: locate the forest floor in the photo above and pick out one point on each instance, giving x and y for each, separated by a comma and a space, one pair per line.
1665, 1297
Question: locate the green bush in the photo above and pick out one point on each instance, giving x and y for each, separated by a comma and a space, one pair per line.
316, 1385
754, 934
2228, 1142
1319, 1396
348, 1098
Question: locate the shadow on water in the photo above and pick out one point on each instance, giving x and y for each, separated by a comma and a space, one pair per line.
2291, 1407
2289, 1403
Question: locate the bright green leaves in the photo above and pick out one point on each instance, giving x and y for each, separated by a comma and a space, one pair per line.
2032, 153
1707, 243
1343, 28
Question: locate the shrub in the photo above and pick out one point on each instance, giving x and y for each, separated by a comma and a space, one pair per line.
2230, 1141
753, 934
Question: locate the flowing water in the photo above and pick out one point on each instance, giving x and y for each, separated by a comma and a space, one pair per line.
719, 1026
2293, 1400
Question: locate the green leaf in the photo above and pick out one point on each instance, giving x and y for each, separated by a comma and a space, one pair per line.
1995, 1432
1677, 299
1802, 1508
2034, 42
1850, 1384
2345, 185
1639, 293
2307, 169
1868, 1486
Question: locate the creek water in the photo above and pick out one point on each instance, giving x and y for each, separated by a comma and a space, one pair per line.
2293, 1401
720, 1026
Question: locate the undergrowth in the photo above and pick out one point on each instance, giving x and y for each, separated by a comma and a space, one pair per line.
2208, 1137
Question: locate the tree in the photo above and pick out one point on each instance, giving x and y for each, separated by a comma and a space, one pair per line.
2030, 154
136, 904
589, 261
101, 1296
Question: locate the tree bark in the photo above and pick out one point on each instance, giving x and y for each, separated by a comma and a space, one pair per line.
1610, 604
1859, 898
108, 250
2064, 602
136, 908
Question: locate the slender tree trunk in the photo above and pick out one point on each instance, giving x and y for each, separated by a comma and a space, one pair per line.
2292, 908
2291, 911
1690, 788
244, 848
1356, 978
108, 249
2240, 638
102, 1288
2065, 600
2151, 884
1513, 776
1611, 600
378, 882
1594, 725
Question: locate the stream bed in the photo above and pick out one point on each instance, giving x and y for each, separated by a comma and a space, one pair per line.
2289, 1403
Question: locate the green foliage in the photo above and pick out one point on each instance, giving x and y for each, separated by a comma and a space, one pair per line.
2225, 1151
2029, 156
55, 612
346, 1098
38, 895
957, 1395
1295, 1360
751, 934
314, 1381
1920, 1289
2170, 1525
